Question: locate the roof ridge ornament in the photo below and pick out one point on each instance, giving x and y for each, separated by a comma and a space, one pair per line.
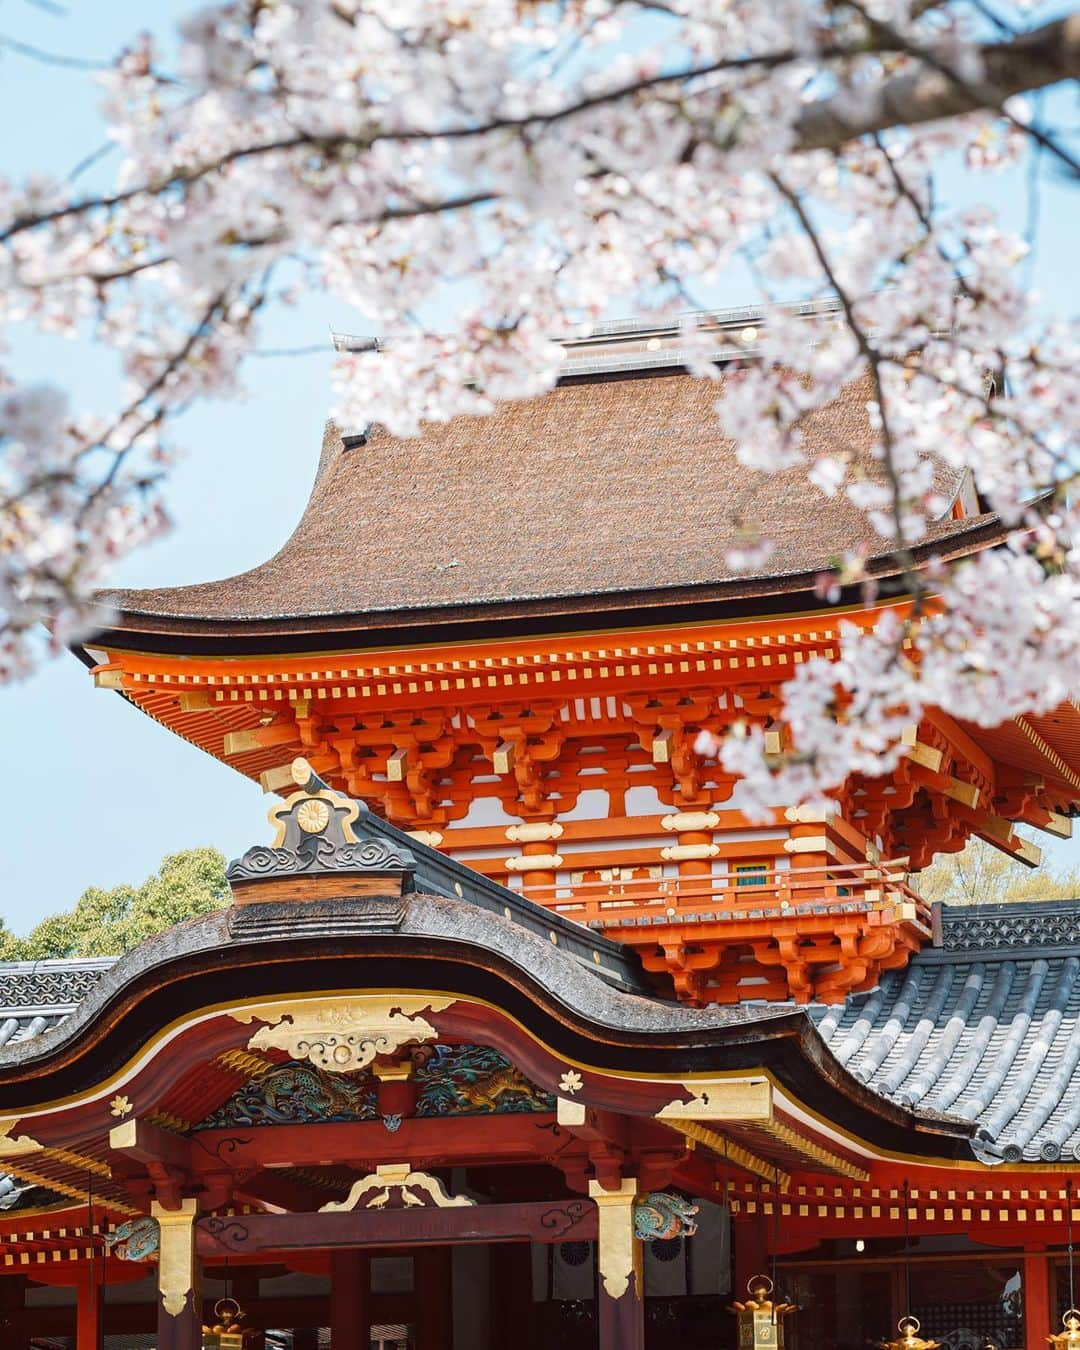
316, 852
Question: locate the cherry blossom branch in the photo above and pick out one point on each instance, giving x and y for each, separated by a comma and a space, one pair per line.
553, 175
1036, 59
48, 58
902, 549
1042, 57
983, 91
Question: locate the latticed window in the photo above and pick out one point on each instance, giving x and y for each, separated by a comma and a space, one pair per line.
750, 874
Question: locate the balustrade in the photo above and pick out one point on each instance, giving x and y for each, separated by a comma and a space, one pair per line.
841, 888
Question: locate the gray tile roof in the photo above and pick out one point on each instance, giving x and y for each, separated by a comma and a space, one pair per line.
34, 997
986, 1026
37, 995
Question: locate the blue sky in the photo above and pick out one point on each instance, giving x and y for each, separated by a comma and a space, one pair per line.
93, 792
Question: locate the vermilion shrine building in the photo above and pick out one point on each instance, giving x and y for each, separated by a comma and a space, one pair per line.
519, 1030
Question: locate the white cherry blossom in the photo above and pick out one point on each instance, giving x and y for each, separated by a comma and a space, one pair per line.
561, 161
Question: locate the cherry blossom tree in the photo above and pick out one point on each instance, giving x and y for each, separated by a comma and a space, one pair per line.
558, 158
983, 875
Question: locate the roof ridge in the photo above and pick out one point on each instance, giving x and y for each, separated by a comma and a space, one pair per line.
59, 963
1010, 927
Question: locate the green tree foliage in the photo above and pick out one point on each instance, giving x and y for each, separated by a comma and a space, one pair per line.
982, 875
106, 923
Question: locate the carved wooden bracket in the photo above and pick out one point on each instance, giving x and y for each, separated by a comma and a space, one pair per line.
412, 1190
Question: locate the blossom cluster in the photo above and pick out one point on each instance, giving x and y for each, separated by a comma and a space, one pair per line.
540, 164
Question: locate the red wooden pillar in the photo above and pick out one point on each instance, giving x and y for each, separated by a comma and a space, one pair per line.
1039, 1300
90, 1311
432, 1297
511, 1296
350, 1300
622, 1320
14, 1325
620, 1283
182, 1331
751, 1251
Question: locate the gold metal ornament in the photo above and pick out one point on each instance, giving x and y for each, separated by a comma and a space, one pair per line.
13, 1146
909, 1338
618, 1251
1069, 1339
177, 1268
225, 1332
313, 815
346, 1033
760, 1320
374, 1191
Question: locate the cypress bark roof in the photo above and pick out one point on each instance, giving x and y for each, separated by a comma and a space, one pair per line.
984, 1028
616, 487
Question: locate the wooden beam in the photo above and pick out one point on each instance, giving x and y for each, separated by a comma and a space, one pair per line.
1050, 822
793, 1140
274, 780
730, 1152
997, 827
286, 1193
196, 700
1023, 850
147, 1143
598, 1126
919, 752
260, 738
961, 741
537, 1221
363, 1144
945, 784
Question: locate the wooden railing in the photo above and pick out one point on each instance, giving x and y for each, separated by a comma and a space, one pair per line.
729, 895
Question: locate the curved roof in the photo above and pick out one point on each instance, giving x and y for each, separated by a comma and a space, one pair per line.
985, 1028
601, 487
255, 952
982, 1029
